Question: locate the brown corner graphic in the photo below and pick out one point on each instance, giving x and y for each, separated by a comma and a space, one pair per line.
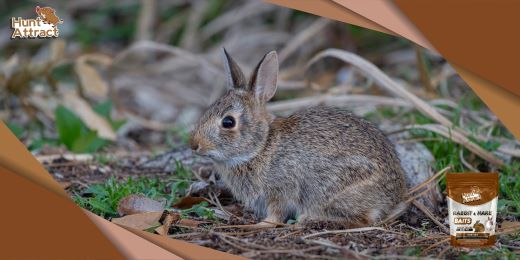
37, 223
331, 10
480, 36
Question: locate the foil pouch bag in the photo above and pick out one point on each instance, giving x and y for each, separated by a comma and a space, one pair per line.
472, 206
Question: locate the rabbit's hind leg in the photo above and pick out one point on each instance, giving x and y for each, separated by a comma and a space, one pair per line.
353, 209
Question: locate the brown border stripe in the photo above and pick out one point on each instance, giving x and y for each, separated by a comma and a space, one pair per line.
37, 223
133, 246
504, 104
386, 14
185, 249
331, 10
15, 157
478, 35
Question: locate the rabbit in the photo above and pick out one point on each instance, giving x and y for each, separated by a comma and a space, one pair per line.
489, 224
318, 164
478, 227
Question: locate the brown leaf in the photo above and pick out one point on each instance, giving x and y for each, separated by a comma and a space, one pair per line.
188, 202
167, 219
94, 121
92, 83
134, 204
139, 221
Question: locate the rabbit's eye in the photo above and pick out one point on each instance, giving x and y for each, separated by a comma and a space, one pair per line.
228, 122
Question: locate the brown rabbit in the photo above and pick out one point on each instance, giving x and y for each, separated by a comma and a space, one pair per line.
478, 227
318, 164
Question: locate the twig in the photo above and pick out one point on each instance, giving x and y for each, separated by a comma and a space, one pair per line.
465, 163
430, 215
214, 198
461, 139
435, 245
289, 234
352, 230
421, 64
328, 243
433, 177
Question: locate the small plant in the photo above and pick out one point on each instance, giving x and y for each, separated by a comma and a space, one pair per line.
104, 109
200, 210
74, 134
104, 198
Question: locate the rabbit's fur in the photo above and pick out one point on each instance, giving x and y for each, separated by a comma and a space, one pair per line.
318, 164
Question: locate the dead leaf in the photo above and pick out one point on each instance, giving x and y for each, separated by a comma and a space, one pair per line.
167, 219
135, 204
139, 221
188, 202
94, 121
92, 83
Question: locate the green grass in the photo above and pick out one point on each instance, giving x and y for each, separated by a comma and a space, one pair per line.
486, 254
446, 152
103, 198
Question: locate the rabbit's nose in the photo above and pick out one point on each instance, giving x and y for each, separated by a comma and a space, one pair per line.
194, 144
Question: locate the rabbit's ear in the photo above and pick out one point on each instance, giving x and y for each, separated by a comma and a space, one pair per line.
263, 80
234, 75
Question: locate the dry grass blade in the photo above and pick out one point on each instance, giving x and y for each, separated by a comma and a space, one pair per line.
352, 230
342, 101
370, 70
431, 216
459, 138
426, 182
145, 20
92, 84
387, 83
94, 121
302, 37
190, 35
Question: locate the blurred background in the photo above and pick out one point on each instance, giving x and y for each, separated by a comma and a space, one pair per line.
130, 77
157, 65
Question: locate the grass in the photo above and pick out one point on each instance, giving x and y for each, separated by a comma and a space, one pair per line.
103, 198
446, 152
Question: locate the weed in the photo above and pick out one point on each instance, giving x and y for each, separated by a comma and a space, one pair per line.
104, 198
74, 134
200, 210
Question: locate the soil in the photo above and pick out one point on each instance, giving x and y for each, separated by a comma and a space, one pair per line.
400, 239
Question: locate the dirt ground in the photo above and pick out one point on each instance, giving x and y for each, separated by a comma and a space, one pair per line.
399, 239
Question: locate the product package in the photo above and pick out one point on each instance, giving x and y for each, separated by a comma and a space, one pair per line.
472, 206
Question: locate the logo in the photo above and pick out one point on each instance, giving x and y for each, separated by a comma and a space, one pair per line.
473, 195
44, 26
